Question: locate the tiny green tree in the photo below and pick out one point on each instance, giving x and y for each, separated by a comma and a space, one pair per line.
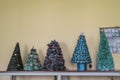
104, 60
15, 63
55, 77
32, 62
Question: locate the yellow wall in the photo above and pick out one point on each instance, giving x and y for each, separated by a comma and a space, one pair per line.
37, 22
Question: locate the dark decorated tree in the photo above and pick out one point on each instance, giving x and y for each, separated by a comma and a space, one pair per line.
104, 59
15, 63
55, 77
54, 58
81, 54
32, 62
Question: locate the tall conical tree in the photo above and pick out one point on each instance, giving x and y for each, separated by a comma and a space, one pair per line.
81, 54
104, 59
54, 59
15, 63
32, 62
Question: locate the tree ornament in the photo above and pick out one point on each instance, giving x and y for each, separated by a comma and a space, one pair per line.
81, 54
54, 59
104, 59
32, 62
15, 63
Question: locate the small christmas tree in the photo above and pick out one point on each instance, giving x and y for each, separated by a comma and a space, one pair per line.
15, 63
104, 60
81, 54
32, 62
54, 59
55, 77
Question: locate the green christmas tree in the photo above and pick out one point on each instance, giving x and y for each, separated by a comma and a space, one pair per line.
32, 62
105, 60
55, 77
15, 63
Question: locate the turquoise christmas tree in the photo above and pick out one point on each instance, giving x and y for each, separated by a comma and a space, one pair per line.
81, 54
104, 60
32, 62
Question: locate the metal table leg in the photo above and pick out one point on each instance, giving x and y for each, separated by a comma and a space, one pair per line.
12, 77
59, 77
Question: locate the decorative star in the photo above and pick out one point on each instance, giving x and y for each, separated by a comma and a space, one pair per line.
18, 65
31, 55
15, 54
31, 64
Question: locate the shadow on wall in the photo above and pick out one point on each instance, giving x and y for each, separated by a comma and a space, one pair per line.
25, 53
66, 55
41, 56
